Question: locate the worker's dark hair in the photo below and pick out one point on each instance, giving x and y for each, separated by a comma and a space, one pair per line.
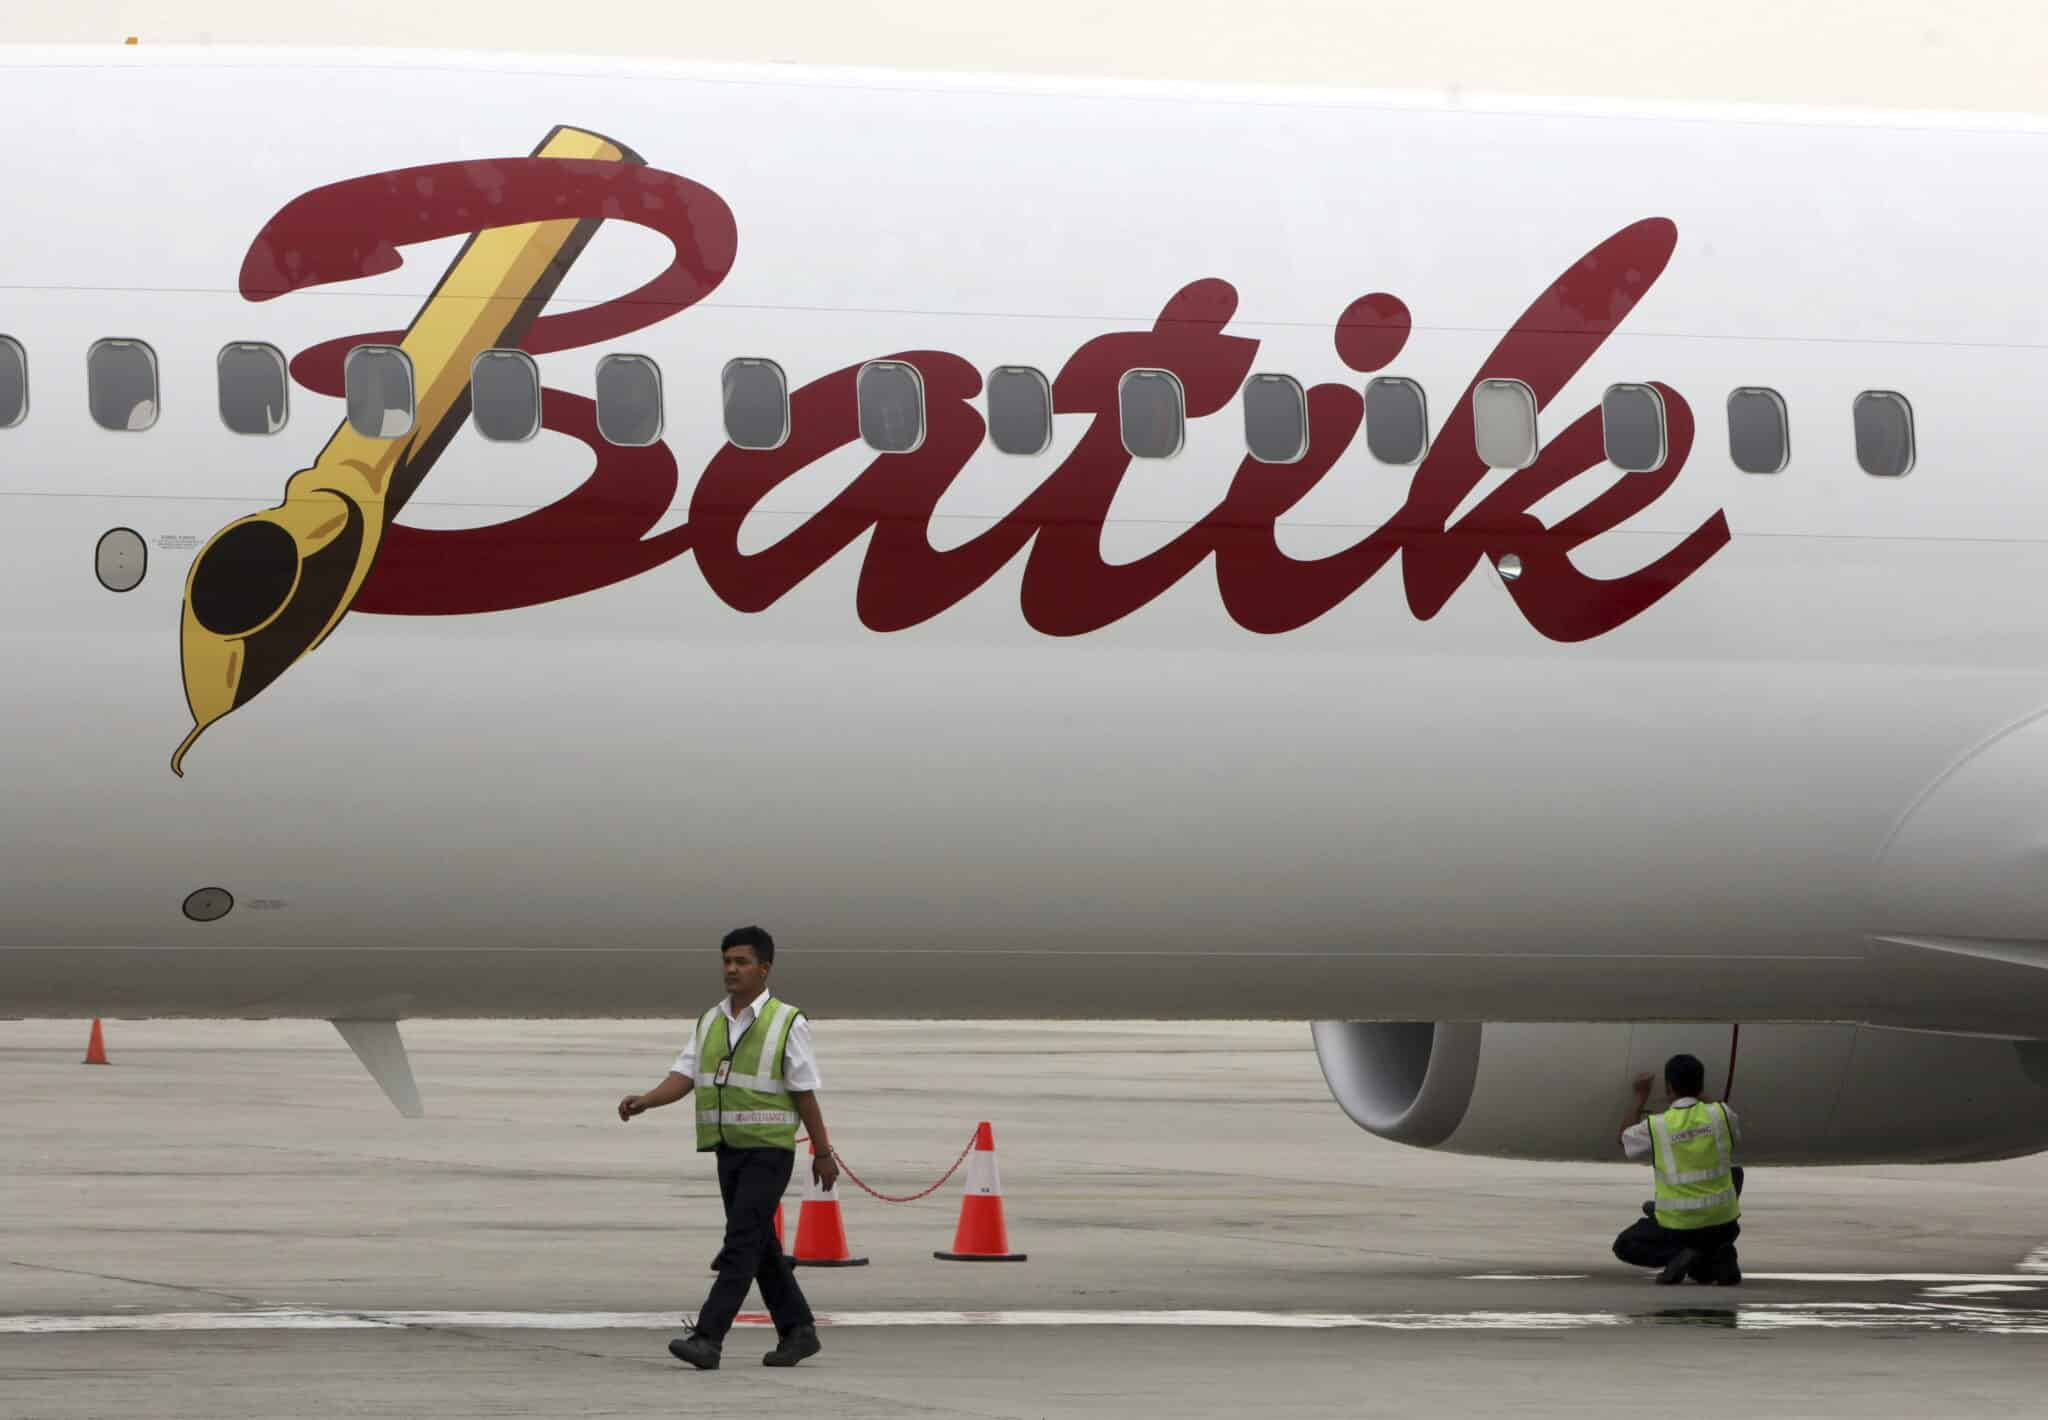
755, 937
1685, 1075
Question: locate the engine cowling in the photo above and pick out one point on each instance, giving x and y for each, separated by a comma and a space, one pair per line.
1806, 1094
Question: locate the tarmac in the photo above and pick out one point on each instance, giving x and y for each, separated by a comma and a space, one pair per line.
230, 1220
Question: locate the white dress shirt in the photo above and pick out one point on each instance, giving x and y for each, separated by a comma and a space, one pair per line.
799, 1061
1635, 1140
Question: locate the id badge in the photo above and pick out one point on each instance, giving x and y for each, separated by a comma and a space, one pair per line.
724, 1071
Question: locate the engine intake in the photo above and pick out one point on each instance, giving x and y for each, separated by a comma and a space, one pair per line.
1806, 1094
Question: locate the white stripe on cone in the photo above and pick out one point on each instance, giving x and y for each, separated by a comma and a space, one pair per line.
982, 1175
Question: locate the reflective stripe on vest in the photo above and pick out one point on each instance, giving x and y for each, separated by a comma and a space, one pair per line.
753, 1108
1694, 1164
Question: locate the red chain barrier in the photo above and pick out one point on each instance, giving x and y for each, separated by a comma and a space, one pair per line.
862, 1185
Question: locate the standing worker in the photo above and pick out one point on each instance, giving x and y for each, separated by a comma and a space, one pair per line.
750, 1061
1691, 1228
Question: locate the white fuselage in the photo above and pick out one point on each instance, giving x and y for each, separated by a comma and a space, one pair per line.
556, 808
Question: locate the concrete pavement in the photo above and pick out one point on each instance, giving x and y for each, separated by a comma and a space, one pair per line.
246, 1177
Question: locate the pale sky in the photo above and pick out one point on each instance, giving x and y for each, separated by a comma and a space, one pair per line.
1960, 54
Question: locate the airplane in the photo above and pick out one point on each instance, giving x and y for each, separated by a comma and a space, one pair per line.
1892, 54
1522, 584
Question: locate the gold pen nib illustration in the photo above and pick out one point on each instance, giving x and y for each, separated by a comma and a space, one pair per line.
271, 586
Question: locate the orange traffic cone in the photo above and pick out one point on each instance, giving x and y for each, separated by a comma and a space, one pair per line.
820, 1230
96, 1048
981, 1236
778, 1239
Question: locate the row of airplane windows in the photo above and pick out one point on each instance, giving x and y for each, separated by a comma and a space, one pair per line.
505, 396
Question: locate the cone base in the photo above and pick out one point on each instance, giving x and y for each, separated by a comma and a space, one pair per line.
828, 1261
92, 1062
980, 1256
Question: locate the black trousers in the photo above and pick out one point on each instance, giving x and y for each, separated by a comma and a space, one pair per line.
1648, 1243
751, 1181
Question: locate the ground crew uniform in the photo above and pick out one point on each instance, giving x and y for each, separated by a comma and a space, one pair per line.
743, 1068
1691, 1148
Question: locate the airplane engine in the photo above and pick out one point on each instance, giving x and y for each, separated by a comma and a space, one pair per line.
1805, 1094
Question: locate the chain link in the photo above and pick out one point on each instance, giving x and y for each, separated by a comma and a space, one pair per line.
908, 1197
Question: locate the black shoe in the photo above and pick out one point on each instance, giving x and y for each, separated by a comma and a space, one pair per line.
1675, 1270
796, 1344
699, 1351
1726, 1271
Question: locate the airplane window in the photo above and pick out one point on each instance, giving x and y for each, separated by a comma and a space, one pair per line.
121, 384
629, 400
1632, 425
1152, 412
1396, 421
756, 404
1019, 410
252, 388
1759, 433
891, 396
379, 383
1504, 423
1884, 433
1275, 418
504, 396
13, 383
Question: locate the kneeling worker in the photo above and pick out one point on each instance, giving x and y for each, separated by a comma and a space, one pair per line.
1692, 1227
750, 1062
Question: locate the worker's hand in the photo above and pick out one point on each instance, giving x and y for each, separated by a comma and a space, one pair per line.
1644, 1084
825, 1169
630, 1106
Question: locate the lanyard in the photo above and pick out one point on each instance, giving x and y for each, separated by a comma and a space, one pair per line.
732, 1047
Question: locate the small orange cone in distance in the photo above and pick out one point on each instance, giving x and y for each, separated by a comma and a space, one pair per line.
820, 1229
981, 1236
96, 1048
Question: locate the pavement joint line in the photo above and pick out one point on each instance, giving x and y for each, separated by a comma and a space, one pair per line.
529, 1342
2032, 1281
1525, 1277
369, 1319
1481, 1319
132, 1281
1779, 1313
1853, 1277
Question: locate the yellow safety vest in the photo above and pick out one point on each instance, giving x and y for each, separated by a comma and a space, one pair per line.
1695, 1164
750, 1108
